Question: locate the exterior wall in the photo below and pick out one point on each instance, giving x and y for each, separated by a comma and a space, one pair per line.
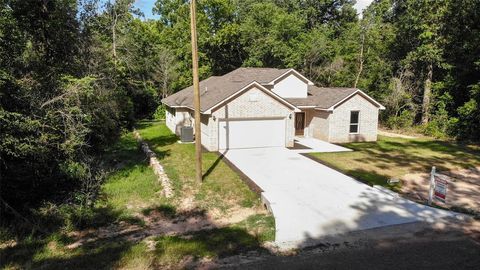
176, 118
319, 126
170, 118
253, 103
291, 87
209, 133
313, 123
340, 121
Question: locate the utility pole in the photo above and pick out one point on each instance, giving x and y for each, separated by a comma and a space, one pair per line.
196, 93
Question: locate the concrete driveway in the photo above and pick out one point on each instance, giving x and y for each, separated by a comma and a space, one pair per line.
310, 200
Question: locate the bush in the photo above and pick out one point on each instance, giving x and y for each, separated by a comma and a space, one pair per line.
440, 129
160, 113
441, 125
404, 120
468, 123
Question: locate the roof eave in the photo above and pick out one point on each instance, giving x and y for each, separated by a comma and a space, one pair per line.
373, 101
325, 110
186, 107
294, 71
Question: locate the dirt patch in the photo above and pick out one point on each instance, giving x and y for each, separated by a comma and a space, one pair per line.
163, 222
463, 190
395, 135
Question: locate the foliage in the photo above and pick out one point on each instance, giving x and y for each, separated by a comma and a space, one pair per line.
160, 113
402, 121
72, 77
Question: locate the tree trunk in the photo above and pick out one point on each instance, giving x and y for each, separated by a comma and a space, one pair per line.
360, 62
427, 93
114, 38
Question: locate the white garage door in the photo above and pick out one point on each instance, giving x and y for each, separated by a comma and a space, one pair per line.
251, 133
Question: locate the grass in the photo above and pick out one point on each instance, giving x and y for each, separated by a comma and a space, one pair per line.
132, 190
133, 183
376, 162
222, 188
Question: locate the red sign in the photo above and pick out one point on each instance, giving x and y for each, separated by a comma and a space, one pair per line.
440, 189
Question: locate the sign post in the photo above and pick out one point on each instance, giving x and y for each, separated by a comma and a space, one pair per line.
432, 186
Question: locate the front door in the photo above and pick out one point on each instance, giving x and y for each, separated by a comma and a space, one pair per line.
299, 123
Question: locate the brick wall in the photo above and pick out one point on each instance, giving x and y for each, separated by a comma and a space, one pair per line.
320, 125
253, 103
339, 121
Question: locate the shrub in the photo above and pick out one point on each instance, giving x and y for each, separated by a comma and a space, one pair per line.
404, 120
439, 129
468, 123
160, 112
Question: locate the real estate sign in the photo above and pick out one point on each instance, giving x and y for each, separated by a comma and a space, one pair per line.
440, 189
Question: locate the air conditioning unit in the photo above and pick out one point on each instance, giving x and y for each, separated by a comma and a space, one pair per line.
186, 134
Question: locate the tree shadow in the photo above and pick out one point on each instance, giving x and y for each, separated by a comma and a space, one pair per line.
91, 256
108, 248
146, 123
161, 141
413, 156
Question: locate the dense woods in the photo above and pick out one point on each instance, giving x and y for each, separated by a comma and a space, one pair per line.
75, 73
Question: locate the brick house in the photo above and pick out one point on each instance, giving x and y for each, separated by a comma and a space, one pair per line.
267, 107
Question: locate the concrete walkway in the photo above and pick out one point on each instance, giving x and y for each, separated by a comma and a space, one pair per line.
312, 145
310, 200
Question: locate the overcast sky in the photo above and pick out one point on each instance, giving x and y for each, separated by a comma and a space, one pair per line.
361, 4
146, 6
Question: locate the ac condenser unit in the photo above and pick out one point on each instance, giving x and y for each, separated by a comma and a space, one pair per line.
186, 134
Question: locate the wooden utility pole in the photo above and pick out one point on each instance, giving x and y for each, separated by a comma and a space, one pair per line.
196, 92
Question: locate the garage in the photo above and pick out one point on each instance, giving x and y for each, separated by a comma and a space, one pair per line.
251, 133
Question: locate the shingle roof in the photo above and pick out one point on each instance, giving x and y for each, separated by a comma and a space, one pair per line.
322, 97
217, 88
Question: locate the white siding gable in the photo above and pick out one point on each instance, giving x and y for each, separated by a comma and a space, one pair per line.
291, 87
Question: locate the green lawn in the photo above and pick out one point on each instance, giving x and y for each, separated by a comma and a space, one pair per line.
376, 162
222, 188
132, 190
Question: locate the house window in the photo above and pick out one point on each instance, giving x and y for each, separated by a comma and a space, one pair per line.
354, 121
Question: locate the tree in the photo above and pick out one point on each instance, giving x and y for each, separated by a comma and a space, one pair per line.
419, 26
333, 13
268, 35
165, 72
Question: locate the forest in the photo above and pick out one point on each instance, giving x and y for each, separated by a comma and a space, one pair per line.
75, 74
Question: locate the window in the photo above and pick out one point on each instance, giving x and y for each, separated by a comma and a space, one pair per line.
354, 121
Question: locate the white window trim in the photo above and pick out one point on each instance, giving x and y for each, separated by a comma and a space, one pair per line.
350, 123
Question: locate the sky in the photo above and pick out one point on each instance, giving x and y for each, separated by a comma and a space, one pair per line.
362, 4
146, 7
